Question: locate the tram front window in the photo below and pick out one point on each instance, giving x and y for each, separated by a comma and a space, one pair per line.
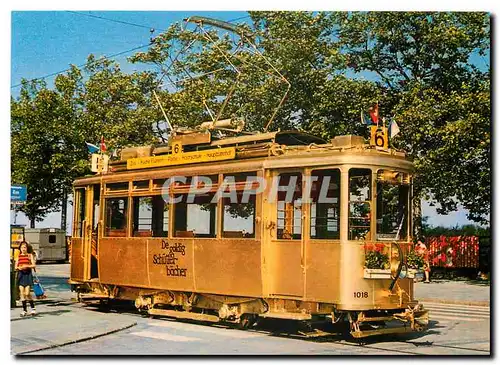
325, 204
360, 181
392, 205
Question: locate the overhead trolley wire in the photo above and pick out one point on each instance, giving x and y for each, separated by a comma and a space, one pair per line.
112, 20
85, 64
151, 29
134, 24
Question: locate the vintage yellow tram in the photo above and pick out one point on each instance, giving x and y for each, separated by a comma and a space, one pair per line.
282, 225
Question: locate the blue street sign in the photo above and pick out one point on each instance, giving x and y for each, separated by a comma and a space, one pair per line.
18, 193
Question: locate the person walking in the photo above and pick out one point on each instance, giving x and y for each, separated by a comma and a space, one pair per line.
424, 252
25, 263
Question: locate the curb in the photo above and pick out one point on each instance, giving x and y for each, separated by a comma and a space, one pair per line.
449, 301
77, 341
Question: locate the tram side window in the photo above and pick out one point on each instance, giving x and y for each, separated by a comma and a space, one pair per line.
289, 202
116, 217
80, 216
150, 216
195, 215
392, 204
238, 219
359, 204
325, 204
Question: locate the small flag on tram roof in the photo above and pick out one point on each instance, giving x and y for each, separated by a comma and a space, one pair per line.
374, 113
103, 145
393, 128
365, 119
92, 147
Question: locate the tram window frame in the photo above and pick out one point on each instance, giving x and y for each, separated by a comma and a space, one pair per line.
96, 207
184, 226
316, 190
116, 232
392, 179
117, 187
80, 195
157, 184
141, 185
297, 206
230, 217
159, 220
367, 202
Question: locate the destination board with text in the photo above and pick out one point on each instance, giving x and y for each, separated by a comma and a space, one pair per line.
182, 158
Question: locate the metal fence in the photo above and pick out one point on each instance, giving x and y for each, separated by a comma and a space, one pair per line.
454, 251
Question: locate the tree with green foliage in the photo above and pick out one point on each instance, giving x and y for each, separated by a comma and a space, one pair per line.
295, 44
419, 69
50, 128
439, 98
34, 148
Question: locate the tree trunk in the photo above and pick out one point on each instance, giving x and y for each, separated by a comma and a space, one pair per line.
64, 210
32, 223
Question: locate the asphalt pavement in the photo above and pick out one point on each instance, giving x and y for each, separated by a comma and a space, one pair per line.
61, 321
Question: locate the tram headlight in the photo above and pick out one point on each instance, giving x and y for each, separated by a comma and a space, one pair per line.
404, 271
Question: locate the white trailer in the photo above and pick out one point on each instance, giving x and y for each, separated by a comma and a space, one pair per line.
49, 244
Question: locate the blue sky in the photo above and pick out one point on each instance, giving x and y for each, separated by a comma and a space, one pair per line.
46, 42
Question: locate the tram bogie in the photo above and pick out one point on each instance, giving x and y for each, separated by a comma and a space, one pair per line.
277, 225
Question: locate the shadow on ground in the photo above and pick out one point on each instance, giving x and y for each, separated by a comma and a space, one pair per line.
43, 314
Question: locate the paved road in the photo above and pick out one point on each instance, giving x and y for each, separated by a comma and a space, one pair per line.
454, 330
460, 291
458, 330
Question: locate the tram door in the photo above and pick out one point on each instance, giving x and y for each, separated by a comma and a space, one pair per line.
91, 232
287, 240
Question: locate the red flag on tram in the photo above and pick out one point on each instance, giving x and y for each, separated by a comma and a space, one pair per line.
103, 145
374, 113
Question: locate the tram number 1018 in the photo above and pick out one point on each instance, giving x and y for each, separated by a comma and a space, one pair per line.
360, 294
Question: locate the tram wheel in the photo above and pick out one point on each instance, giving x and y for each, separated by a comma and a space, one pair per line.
247, 320
104, 305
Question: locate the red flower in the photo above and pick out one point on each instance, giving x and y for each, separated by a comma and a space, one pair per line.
369, 247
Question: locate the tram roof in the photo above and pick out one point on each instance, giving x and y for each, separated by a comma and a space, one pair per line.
289, 138
276, 148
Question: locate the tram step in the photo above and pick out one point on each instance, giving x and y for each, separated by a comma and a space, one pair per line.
376, 319
184, 315
381, 331
287, 315
93, 296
